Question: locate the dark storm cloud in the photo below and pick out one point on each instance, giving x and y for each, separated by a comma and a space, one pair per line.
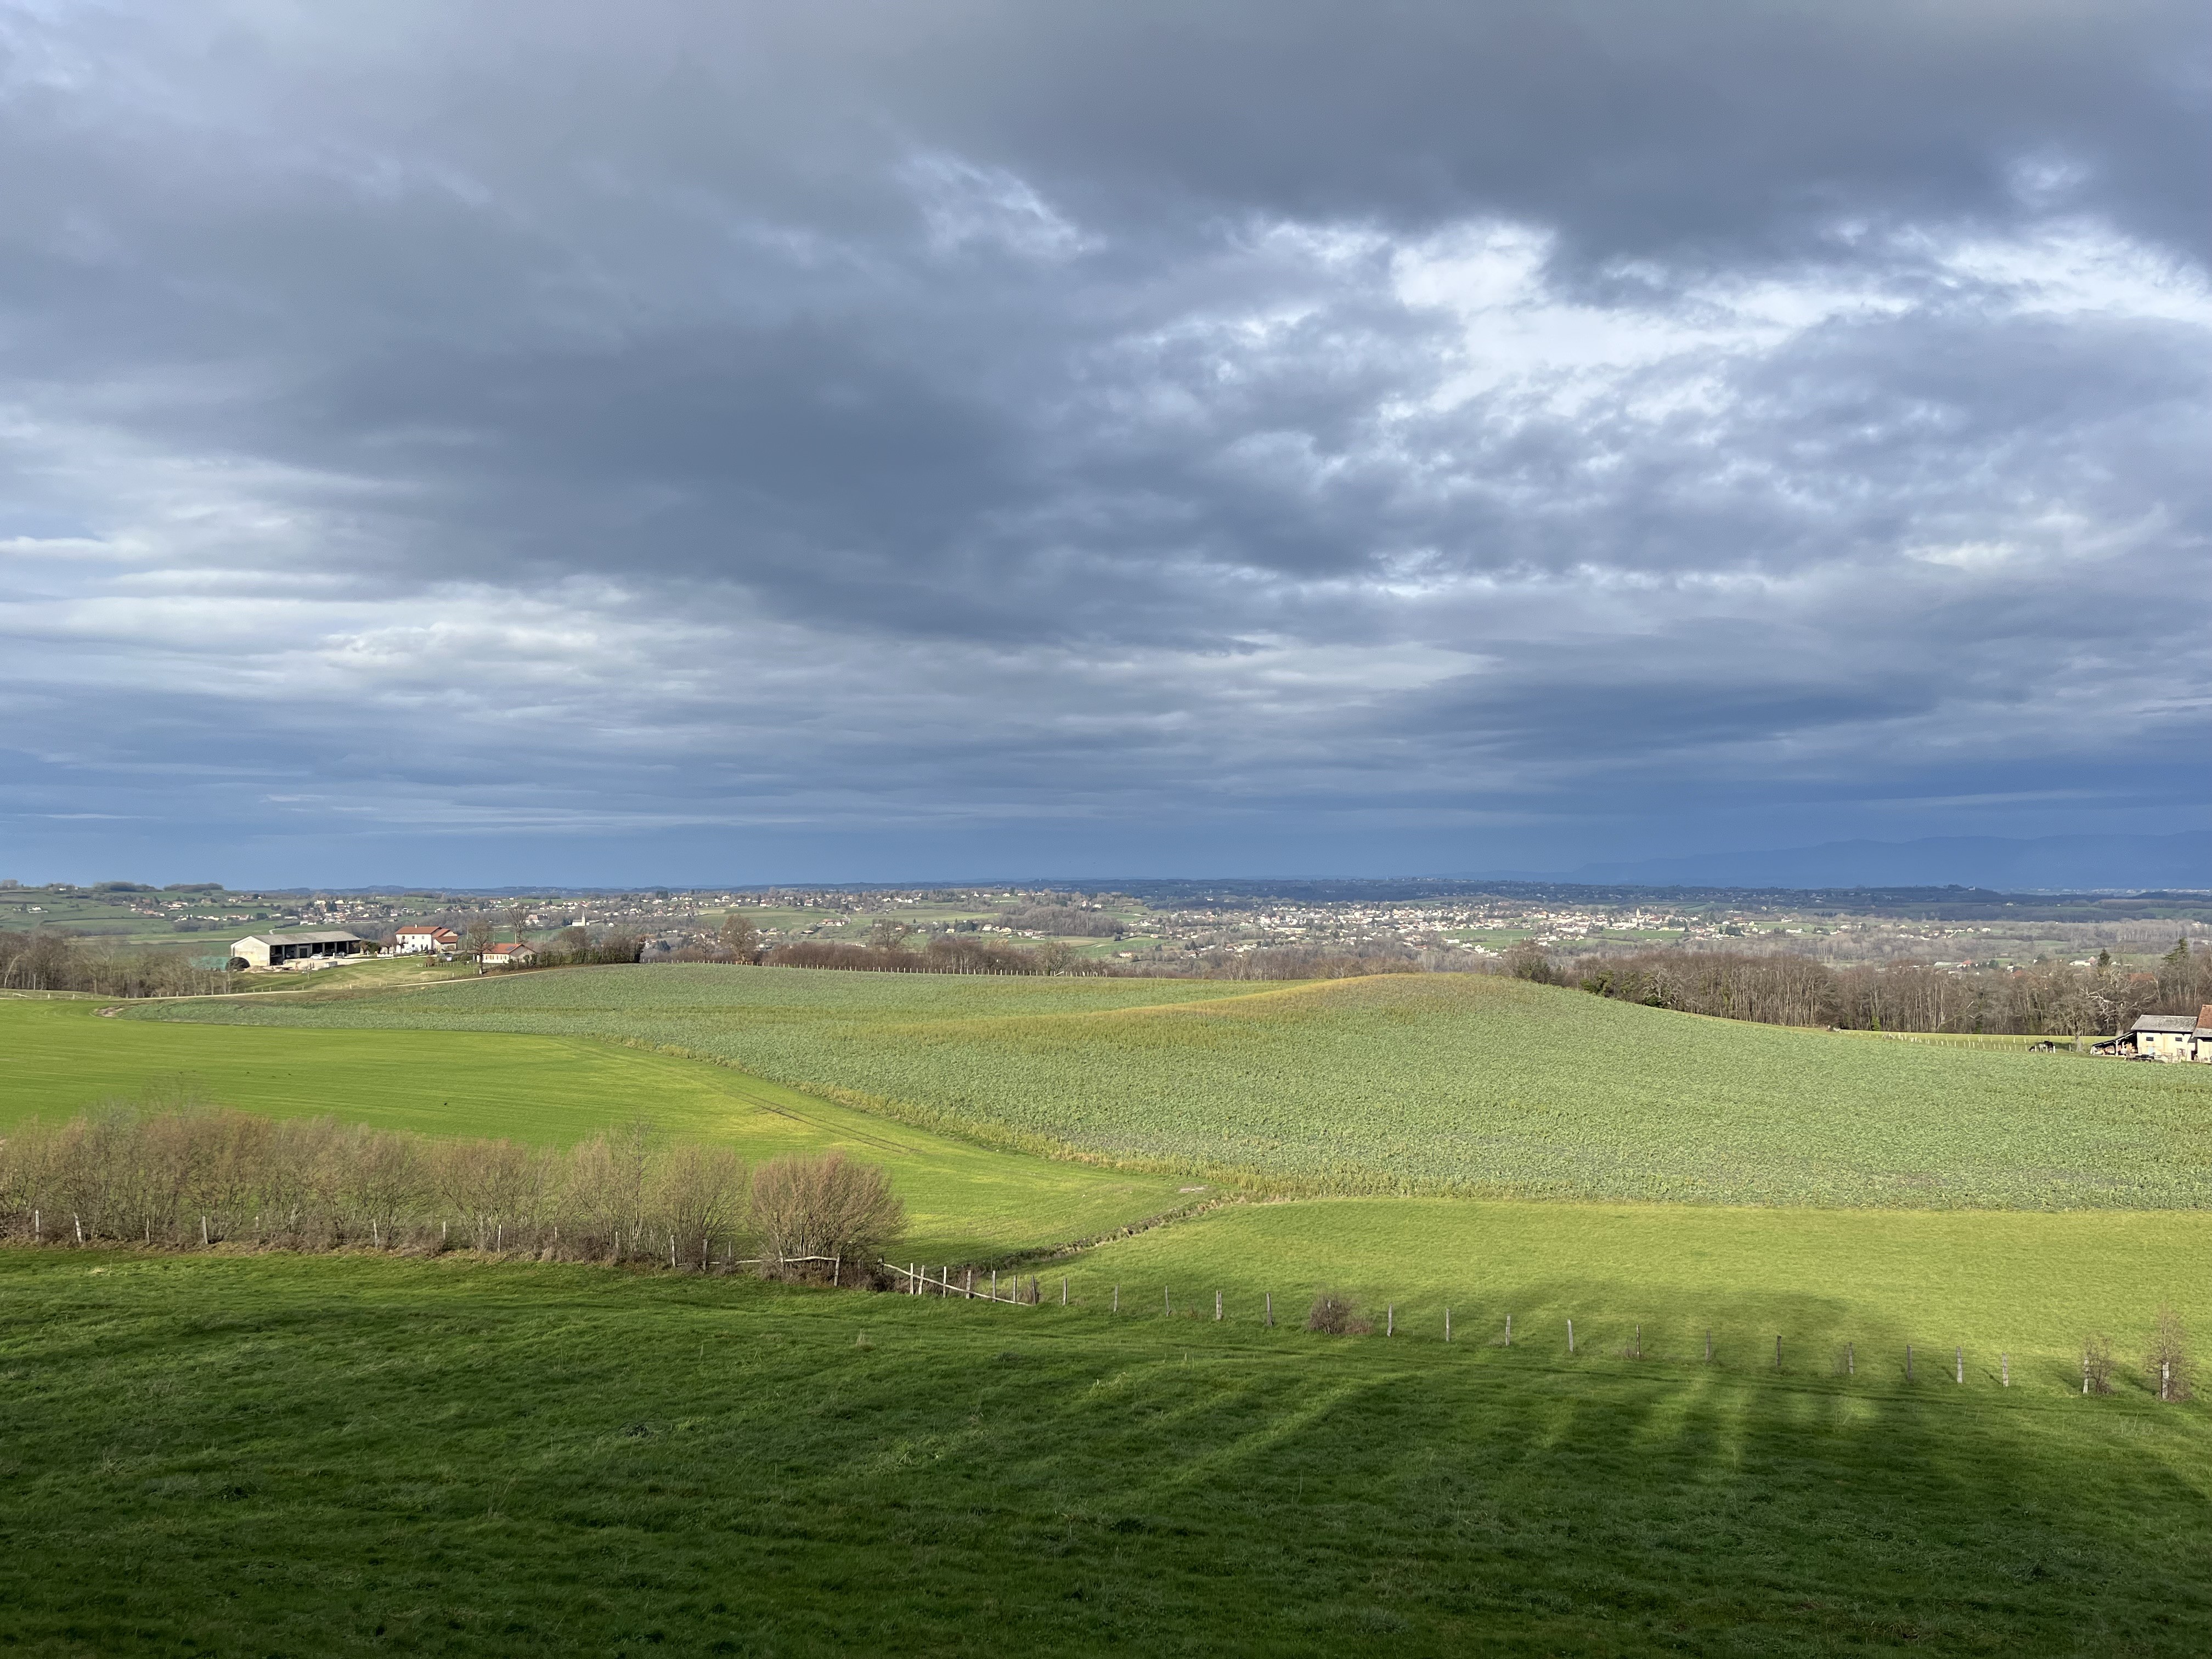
1002, 416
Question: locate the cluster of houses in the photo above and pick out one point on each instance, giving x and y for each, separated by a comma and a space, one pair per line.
2166, 1036
321, 947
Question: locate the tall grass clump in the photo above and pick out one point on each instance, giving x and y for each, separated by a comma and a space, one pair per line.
183, 1175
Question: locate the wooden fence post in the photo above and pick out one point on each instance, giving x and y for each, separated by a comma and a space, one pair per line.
1571, 1336
2004, 1369
1117, 1298
1958, 1361
1509, 1330
1391, 1319
994, 1284
1216, 1307
1447, 1324
1167, 1301
1850, 1359
1063, 1289
1908, 1362
1777, 1352
1709, 1347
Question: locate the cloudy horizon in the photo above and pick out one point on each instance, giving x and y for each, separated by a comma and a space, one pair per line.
687, 443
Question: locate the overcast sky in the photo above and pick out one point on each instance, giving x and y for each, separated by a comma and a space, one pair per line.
680, 442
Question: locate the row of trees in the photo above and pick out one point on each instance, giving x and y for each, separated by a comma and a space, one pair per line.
2050, 999
44, 960
186, 1175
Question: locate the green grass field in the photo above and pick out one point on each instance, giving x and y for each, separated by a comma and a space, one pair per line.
1442, 1082
336, 1455
59, 1057
2027, 1284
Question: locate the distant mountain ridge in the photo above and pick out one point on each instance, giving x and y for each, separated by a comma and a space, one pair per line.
2075, 863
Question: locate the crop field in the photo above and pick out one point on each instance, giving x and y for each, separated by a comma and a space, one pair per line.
58, 1058
1409, 1084
339, 1456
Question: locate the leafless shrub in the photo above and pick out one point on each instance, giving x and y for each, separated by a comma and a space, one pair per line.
2167, 1359
825, 1206
2097, 1365
1336, 1314
188, 1175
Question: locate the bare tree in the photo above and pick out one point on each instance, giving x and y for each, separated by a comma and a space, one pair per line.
738, 936
2167, 1360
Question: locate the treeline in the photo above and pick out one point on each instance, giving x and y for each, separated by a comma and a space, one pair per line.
945, 953
47, 961
1069, 920
188, 1176
2046, 999
562, 951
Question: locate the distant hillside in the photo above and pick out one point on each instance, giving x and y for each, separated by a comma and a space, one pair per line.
2076, 862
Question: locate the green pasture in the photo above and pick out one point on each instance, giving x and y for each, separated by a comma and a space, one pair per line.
337, 1455
1453, 1083
59, 1057
2032, 1284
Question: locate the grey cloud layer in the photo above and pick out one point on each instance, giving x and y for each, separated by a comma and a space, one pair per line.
1617, 424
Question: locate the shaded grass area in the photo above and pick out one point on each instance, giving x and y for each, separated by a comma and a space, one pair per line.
2028, 1283
1400, 1083
333, 1456
966, 1201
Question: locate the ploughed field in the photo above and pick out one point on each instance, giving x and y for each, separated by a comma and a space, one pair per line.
333, 1455
1444, 1084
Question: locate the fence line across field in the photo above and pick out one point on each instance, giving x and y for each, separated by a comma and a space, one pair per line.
918, 1280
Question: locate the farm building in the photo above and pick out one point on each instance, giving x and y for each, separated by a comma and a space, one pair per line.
298, 944
2174, 1036
507, 956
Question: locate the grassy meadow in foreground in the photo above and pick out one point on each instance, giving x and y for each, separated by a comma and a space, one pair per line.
59, 1058
334, 1455
2032, 1284
1446, 1082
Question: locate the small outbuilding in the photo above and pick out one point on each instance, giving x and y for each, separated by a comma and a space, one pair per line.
507, 956
294, 945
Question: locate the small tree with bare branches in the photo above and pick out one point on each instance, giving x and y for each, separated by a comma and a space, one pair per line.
823, 1207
